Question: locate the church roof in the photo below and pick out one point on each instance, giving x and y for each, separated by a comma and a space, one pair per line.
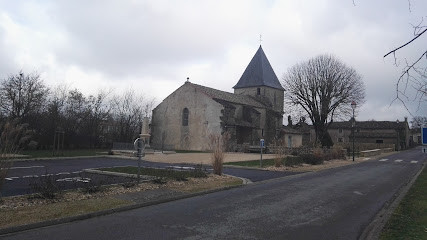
229, 97
259, 73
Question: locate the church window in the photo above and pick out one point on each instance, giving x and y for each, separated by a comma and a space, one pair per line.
185, 117
258, 91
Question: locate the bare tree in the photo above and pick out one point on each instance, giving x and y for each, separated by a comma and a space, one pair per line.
414, 72
127, 116
22, 94
324, 87
13, 137
419, 121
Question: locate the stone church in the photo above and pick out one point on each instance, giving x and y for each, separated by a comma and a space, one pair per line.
185, 119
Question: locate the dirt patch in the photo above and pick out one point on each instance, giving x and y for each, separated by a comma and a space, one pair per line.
203, 158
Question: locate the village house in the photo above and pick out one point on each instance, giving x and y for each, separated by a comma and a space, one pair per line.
186, 118
371, 134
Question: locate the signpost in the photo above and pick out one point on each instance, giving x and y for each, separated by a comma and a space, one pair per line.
424, 135
261, 144
424, 138
139, 146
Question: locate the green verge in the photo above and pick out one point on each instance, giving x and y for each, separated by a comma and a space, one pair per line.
409, 220
33, 214
163, 173
252, 163
65, 153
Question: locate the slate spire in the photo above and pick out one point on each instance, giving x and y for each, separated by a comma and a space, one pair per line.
259, 73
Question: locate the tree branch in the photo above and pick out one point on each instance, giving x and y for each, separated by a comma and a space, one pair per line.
413, 39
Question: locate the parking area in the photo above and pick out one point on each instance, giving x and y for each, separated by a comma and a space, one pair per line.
69, 172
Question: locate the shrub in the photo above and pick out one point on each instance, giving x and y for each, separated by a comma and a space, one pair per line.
46, 187
218, 143
279, 151
311, 159
129, 184
338, 153
293, 161
92, 185
159, 180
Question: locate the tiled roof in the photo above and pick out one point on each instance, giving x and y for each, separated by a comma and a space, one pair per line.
229, 97
259, 73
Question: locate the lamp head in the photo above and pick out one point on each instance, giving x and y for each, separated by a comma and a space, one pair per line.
353, 105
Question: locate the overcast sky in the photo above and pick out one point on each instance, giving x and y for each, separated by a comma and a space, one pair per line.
153, 46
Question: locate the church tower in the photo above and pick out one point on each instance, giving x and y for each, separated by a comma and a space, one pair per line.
260, 81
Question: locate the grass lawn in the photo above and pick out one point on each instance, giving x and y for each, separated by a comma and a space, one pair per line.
65, 153
253, 163
164, 173
33, 214
409, 220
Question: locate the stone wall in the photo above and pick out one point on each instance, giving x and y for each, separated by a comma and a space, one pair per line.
273, 96
203, 119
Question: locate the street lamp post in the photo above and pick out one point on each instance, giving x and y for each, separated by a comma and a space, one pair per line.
398, 138
353, 123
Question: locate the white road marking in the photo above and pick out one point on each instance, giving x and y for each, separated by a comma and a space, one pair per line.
74, 179
63, 173
384, 160
9, 179
398, 160
358, 193
30, 176
366, 159
46, 175
27, 167
77, 172
414, 161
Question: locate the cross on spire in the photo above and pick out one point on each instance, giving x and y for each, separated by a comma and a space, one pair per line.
260, 39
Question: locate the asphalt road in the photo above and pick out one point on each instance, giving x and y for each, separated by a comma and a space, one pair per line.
332, 204
69, 172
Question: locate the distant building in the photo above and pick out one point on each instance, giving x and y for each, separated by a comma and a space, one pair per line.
185, 119
376, 133
415, 137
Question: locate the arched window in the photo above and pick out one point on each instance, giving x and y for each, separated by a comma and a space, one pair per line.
185, 117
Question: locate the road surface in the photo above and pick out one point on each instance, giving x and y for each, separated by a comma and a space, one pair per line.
70, 172
332, 204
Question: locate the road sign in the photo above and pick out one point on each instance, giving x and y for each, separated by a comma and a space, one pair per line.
424, 135
262, 143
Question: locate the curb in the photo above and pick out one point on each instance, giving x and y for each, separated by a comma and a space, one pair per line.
245, 181
55, 158
373, 230
145, 178
15, 229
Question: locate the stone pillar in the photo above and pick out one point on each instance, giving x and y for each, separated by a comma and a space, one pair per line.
145, 132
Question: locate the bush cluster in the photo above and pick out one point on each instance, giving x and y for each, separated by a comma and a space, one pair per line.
293, 161
312, 159
46, 187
